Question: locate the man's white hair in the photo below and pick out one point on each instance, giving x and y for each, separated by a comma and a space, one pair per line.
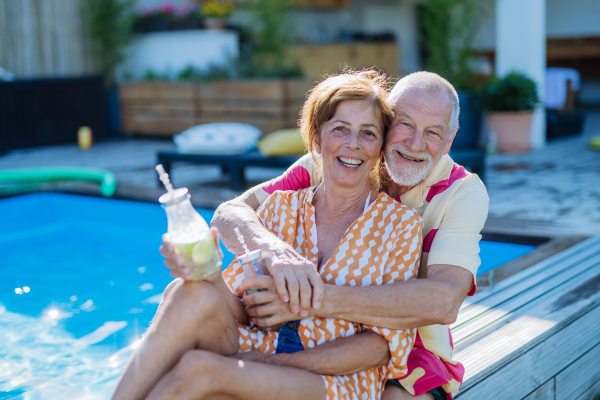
431, 83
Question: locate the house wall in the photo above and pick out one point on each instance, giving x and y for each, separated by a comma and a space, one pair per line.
564, 18
568, 18
370, 16
170, 52
399, 17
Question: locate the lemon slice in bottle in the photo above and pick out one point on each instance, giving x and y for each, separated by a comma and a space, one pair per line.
203, 251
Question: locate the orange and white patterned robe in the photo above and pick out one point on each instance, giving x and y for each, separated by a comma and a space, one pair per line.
382, 246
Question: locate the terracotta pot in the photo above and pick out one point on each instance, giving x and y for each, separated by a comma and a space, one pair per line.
512, 129
214, 23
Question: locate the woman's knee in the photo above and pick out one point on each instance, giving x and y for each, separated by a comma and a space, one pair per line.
170, 287
199, 297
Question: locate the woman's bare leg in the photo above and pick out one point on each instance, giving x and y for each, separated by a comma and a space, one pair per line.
192, 316
204, 375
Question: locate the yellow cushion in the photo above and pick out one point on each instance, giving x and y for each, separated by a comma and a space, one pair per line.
282, 143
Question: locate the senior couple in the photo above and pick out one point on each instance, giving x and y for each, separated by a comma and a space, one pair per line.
375, 204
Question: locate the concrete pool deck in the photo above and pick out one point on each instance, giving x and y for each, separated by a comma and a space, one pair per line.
553, 191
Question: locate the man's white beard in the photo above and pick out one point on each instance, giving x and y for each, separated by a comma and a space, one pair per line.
403, 175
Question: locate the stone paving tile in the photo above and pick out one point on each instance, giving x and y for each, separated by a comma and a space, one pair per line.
559, 183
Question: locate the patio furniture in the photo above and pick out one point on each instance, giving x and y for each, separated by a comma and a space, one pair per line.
234, 164
536, 335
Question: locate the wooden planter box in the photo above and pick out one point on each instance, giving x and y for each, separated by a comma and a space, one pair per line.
166, 109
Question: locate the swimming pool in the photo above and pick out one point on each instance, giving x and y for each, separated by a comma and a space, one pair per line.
81, 281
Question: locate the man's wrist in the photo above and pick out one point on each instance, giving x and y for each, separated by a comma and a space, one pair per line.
267, 242
331, 304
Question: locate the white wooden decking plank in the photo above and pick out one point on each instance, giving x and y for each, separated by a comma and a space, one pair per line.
544, 392
579, 250
526, 373
580, 376
591, 393
527, 327
557, 284
524, 291
574, 254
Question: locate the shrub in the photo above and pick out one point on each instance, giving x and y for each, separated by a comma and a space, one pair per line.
514, 92
109, 24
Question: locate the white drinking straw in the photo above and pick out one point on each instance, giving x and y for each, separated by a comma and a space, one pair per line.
241, 240
164, 178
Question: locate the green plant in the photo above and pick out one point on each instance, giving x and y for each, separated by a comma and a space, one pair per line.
109, 23
212, 73
514, 92
449, 28
271, 34
151, 76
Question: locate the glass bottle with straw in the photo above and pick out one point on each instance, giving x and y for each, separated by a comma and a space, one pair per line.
188, 231
252, 263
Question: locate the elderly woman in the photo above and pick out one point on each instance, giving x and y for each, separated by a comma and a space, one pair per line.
353, 234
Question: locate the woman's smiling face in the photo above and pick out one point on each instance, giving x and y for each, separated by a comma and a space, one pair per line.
350, 144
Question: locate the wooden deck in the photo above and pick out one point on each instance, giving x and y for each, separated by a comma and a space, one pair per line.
537, 334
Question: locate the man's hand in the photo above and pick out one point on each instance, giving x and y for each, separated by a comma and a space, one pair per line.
296, 279
266, 308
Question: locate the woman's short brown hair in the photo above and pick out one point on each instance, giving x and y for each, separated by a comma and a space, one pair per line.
323, 99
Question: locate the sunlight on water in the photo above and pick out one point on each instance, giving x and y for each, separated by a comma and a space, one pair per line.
40, 360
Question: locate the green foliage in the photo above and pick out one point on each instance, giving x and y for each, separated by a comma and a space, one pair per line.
514, 92
220, 73
251, 70
271, 34
151, 76
212, 73
109, 23
449, 28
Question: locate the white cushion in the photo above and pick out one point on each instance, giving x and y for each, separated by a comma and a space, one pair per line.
223, 138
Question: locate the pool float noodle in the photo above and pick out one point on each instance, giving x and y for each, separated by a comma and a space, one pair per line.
106, 178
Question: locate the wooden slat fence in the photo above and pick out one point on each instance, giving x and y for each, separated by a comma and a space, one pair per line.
43, 38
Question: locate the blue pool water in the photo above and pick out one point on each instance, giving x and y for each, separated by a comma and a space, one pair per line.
81, 281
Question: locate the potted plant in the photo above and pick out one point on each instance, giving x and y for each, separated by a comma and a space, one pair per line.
510, 102
448, 30
216, 13
109, 24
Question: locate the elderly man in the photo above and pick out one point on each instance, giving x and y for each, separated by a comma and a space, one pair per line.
454, 205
